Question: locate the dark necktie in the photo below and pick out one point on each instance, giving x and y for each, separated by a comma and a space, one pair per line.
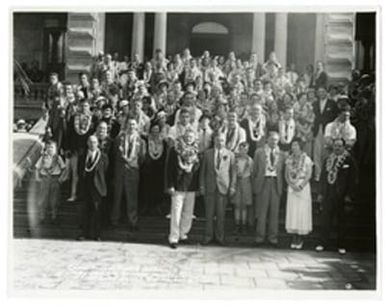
287, 130
89, 161
272, 157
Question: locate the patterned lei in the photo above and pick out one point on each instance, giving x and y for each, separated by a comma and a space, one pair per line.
93, 165
296, 167
258, 128
81, 118
271, 167
333, 166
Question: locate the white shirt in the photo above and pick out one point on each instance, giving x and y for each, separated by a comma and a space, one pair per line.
91, 155
322, 105
205, 138
345, 130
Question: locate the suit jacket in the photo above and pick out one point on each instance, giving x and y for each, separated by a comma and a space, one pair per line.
179, 179
329, 114
99, 173
347, 178
224, 179
260, 171
321, 80
119, 161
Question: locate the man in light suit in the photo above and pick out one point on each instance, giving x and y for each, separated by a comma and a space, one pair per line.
217, 182
129, 151
267, 186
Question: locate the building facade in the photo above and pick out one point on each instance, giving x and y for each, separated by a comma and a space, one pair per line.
67, 42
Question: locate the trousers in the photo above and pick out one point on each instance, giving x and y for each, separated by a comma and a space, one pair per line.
126, 184
182, 209
267, 209
215, 205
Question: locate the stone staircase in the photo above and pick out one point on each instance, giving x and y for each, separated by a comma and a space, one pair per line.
154, 229
339, 46
81, 43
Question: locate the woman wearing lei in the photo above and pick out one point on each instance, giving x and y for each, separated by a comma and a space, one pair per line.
299, 203
152, 173
182, 179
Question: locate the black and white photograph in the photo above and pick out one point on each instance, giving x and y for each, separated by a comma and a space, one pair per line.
202, 150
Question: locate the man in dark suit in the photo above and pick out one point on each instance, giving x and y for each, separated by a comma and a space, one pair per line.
338, 182
217, 183
325, 111
268, 171
92, 170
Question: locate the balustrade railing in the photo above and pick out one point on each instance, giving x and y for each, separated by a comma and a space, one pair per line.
35, 96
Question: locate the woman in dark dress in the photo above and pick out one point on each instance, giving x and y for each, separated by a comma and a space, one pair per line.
153, 171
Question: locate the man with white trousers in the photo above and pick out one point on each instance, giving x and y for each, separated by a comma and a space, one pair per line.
182, 177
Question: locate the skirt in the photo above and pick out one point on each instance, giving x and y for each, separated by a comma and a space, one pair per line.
299, 211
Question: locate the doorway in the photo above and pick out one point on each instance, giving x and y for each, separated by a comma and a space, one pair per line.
210, 36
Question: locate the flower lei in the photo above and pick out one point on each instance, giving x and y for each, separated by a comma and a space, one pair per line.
233, 142
271, 167
124, 148
81, 119
155, 148
187, 154
93, 165
256, 129
332, 166
287, 138
296, 167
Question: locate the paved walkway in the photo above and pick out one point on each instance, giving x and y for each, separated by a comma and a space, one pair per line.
72, 265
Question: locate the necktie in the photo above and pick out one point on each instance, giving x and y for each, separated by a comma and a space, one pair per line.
287, 130
272, 157
218, 160
129, 147
89, 161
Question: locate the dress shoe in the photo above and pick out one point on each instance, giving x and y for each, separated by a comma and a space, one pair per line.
273, 244
299, 246
98, 239
185, 241
71, 199
173, 245
319, 248
221, 243
207, 241
81, 238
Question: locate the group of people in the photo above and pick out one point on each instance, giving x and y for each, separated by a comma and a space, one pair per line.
212, 130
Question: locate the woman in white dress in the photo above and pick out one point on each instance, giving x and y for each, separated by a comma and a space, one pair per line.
299, 203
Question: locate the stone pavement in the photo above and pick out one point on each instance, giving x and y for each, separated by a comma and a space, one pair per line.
73, 265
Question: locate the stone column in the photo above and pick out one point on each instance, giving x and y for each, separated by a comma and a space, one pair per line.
320, 29
138, 35
160, 32
258, 38
280, 38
